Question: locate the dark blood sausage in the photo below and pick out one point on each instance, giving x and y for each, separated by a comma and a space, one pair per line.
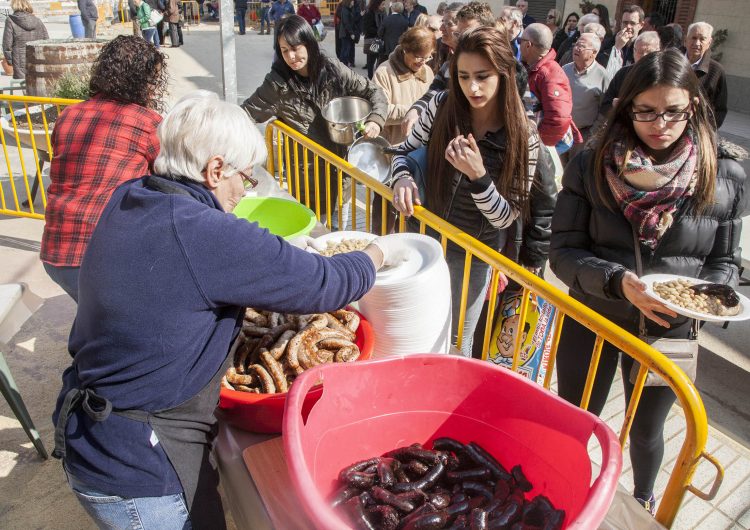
448, 444
343, 494
360, 480
386, 517
358, 466
439, 500
385, 474
389, 498
507, 516
416, 497
357, 515
479, 473
478, 488
416, 468
483, 458
424, 509
428, 521
461, 507
478, 519
406, 454
520, 478
427, 481
450, 486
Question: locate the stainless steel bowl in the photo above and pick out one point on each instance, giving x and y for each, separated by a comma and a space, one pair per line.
345, 116
367, 154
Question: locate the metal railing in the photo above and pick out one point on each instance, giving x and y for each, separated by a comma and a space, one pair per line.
26, 123
291, 155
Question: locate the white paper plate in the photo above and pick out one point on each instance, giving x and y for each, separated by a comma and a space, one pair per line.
651, 279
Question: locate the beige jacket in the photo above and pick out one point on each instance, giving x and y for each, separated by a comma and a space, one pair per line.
402, 87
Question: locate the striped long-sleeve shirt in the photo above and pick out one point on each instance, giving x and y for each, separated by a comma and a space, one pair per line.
497, 209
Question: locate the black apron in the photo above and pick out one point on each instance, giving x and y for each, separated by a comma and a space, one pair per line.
186, 432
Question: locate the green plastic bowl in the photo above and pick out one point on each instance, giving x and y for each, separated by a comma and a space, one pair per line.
282, 217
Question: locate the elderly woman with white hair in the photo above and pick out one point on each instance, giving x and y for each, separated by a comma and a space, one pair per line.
163, 287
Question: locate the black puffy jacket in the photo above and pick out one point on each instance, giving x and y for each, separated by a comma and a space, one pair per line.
592, 245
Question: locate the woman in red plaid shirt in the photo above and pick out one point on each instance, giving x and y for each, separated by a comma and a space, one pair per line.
98, 145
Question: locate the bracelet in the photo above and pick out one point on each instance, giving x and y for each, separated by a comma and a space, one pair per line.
401, 177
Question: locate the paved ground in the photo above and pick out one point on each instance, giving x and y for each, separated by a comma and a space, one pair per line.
33, 494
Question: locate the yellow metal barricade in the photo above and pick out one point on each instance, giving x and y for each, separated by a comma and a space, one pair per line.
290, 157
27, 123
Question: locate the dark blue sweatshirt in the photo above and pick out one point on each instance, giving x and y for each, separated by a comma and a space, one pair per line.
161, 291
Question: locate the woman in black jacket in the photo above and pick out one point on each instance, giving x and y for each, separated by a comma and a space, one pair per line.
654, 174
371, 22
301, 83
21, 27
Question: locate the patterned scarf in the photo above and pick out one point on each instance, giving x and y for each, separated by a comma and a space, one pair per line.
650, 212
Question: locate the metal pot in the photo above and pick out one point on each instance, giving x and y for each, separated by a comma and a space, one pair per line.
367, 154
344, 117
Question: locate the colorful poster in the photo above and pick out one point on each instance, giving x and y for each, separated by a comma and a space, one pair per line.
536, 334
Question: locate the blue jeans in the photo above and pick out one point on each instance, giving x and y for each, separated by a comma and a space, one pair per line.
149, 513
65, 277
264, 18
241, 13
150, 35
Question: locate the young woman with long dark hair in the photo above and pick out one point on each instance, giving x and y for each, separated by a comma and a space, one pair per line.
302, 81
483, 155
654, 174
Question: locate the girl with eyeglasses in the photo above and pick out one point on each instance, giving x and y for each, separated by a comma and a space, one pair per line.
654, 174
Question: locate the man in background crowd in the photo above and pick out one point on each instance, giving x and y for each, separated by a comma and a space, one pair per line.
565, 52
512, 19
527, 19
89, 16
653, 22
391, 29
711, 73
645, 43
631, 24
549, 84
588, 82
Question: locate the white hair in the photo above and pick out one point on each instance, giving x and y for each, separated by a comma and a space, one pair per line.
648, 38
705, 25
595, 28
588, 18
513, 13
596, 42
201, 126
397, 7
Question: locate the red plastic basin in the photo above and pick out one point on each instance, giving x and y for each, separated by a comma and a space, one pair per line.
369, 408
264, 412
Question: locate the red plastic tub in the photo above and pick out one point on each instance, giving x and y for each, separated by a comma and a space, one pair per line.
264, 412
369, 408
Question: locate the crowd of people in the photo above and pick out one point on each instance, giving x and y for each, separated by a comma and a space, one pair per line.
476, 110
633, 113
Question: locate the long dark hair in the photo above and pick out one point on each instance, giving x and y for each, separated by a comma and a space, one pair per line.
604, 18
666, 68
130, 70
454, 117
296, 31
374, 5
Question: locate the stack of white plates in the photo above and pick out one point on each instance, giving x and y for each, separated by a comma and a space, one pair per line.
409, 306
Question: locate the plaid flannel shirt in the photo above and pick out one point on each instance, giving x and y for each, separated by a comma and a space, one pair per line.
98, 145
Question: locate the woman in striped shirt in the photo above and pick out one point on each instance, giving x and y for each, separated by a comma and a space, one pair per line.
483, 156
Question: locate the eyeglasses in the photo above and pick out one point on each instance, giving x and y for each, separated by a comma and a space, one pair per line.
449, 24
551, 17
582, 47
669, 116
250, 182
